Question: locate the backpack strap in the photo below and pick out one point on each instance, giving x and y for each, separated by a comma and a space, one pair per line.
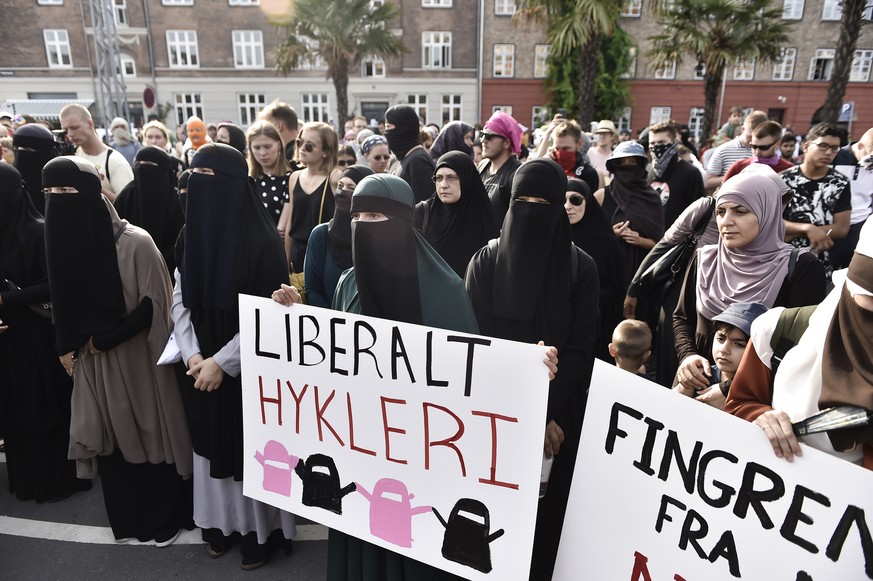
106, 165
789, 329
792, 263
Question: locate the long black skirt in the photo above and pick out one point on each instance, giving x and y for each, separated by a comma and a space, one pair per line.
38, 466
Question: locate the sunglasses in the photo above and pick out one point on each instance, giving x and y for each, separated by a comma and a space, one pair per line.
486, 136
385, 157
576, 199
344, 162
761, 147
306, 146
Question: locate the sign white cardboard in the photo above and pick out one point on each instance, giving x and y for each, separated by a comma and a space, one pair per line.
375, 428
727, 508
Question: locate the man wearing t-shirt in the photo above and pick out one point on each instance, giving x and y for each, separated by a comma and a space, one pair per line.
855, 161
726, 154
765, 145
501, 143
819, 209
115, 172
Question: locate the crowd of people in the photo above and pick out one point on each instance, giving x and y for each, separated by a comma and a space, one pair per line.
105, 248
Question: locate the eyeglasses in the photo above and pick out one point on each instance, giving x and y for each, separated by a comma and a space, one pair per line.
825, 147
306, 146
760, 147
576, 199
450, 179
486, 136
344, 162
385, 157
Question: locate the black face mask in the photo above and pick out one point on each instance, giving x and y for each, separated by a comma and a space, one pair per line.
659, 150
629, 171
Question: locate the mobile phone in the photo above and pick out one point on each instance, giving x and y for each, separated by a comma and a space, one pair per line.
562, 112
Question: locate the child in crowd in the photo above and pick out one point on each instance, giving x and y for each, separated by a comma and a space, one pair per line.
631, 346
731, 329
730, 130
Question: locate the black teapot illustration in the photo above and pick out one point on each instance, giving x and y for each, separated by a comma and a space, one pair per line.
467, 539
321, 483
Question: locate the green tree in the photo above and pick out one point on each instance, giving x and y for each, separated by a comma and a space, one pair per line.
574, 29
850, 30
716, 33
613, 93
340, 33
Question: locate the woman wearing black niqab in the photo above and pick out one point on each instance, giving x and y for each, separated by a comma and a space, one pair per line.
230, 246
457, 227
34, 147
150, 201
533, 284
34, 388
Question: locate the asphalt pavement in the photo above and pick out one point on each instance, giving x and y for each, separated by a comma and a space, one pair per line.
71, 540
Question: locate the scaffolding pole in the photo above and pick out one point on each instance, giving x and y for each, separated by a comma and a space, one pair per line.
111, 91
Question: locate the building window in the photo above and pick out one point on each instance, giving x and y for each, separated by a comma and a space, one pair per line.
250, 104
504, 60
128, 66
182, 49
248, 49
504, 7
373, 68
695, 121
436, 3
699, 71
632, 8
244, 2
868, 11
832, 10
187, 105
50, 2
539, 116
418, 102
541, 59
861, 66
631, 71
451, 109
57, 47
822, 65
744, 70
660, 115
120, 10
505, 108
783, 68
792, 10
436, 50
624, 119
666, 71
315, 107
177, 2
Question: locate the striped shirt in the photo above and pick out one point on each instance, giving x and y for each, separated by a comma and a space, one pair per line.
726, 155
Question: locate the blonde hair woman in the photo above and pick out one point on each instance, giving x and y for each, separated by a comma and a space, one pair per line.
156, 134
311, 189
269, 170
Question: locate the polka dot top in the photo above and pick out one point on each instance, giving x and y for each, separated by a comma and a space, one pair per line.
273, 193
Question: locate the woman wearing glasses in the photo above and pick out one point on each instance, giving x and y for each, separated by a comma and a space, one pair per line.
375, 151
329, 251
269, 170
312, 188
457, 220
346, 157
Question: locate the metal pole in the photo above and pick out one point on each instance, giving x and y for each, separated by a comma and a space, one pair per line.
721, 100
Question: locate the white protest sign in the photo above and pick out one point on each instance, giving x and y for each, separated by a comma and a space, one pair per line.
424, 441
670, 489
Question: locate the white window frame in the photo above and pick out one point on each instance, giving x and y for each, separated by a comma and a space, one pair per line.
868, 11
505, 108
57, 44
436, 3
248, 49
666, 71
505, 7
660, 115
539, 115
436, 49
249, 105
418, 101
631, 71
177, 2
624, 119
832, 10
451, 110
744, 70
631, 9
503, 66
187, 105
783, 69
792, 9
119, 10
126, 62
315, 107
541, 61
244, 2
179, 43
695, 121
822, 54
373, 68
861, 64
50, 2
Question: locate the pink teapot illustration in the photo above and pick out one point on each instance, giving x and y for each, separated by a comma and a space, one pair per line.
278, 467
391, 511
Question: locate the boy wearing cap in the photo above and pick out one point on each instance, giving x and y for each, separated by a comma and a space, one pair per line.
731, 331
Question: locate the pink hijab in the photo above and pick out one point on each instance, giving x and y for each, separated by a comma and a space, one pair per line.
754, 273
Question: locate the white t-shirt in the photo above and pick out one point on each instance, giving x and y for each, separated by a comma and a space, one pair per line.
120, 173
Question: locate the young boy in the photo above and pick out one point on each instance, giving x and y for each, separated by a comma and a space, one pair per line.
731, 331
735, 120
631, 346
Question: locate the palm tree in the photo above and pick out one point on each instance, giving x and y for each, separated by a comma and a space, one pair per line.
850, 31
574, 29
339, 33
717, 32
